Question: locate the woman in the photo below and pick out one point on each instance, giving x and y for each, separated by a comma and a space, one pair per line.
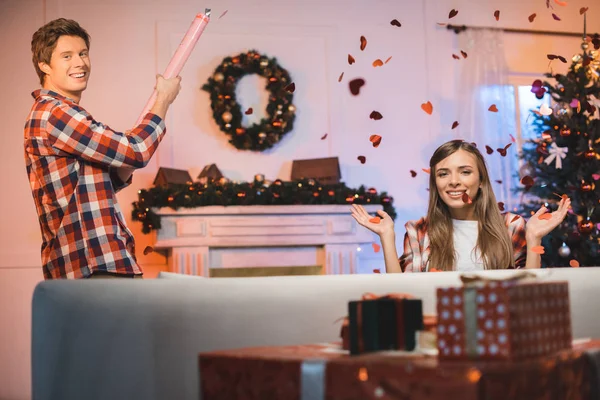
467, 232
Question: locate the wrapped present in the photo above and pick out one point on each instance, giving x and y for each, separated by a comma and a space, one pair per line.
508, 319
319, 372
388, 322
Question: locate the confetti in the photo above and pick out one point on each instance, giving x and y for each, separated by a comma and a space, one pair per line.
454, 124
556, 17
148, 250
351, 59
501, 206
376, 247
376, 115
427, 107
395, 22
375, 220
466, 199
434, 270
512, 138
545, 216
248, 111
498, 181
290, 88
222, 15
574, 263
452, 13
545, 110
497, 15
583, 10
538, 249
413, 173
527, 181
554, 57
493, 108
426, 170
455, 57
376, 140
377, 63
387, 60
376, 270
488, 149
538, 89
516, 217
341, 76
324, 137
532, 17
362, 159
355, 85
363, 43
464, 54
502, 151
561, 3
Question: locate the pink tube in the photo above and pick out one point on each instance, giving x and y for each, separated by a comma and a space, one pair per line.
181, 55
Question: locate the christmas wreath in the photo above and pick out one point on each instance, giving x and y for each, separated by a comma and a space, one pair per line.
228, 113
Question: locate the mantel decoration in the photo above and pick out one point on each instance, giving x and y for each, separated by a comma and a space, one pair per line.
228, 113
223, 192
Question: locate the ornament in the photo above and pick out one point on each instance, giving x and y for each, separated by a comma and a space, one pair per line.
259, 178
264, 62
226, 117
562, 110
587, 186
291, 108
218, 77
372, 191
311, 182
586, 226
223, 181
590, 154
565, 132
331, 193
278, 182
557, 153
564, 251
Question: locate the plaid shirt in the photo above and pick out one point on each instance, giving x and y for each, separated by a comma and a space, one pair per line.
71, 161
417, 246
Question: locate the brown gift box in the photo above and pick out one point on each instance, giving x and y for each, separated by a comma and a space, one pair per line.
503, 320
319, 372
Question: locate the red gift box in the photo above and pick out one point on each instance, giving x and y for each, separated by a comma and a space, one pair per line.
503, 320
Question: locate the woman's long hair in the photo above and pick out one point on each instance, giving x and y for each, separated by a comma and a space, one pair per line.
493, 241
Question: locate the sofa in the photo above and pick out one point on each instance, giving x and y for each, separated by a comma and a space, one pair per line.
140, 339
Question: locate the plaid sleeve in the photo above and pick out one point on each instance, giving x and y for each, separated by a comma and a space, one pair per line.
406, 260
73, 131
516, 228
412, 258
116, 181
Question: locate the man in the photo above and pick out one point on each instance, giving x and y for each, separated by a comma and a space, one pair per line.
76, 164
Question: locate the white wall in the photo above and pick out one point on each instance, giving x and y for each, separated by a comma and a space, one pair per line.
133, 40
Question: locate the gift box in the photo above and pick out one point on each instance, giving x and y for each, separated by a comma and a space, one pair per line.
388, 322
319, 372
503, 320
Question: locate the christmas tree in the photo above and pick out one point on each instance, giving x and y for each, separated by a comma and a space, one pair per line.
564, 159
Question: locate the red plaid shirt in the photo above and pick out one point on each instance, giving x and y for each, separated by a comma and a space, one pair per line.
417, 245
71, 161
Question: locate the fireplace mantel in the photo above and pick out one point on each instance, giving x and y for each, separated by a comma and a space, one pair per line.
202, 239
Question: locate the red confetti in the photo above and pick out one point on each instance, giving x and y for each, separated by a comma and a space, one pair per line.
375, 220
426, 170
497, 15
363, 43
583, 10
362, 159
376, 115
413, 173
355, 85
377, 63
532, 17
452, 13
291, 87
556, 17
527, 181
466, 199
324, 137
538, 249
222, 15
376, 271
427, 107
516, 217
499, 181
148, 250
454, 124
501, 206
395, 22
503, 150
512, 138
248, 111
553, 57
488, 149
545, 216
464, 54
351, 59
493, 108
341, 76
574, 263
376, 247
455, 57
561, 3
387, 60
376, 140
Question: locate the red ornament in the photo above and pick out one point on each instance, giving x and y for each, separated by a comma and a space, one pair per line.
590, 154
586, 227
587, 186
564, 132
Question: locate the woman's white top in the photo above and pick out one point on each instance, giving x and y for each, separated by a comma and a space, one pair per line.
467, 256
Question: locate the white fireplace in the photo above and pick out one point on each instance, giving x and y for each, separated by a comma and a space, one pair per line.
324, 237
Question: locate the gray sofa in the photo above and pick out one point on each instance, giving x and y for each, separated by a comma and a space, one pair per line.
135, 339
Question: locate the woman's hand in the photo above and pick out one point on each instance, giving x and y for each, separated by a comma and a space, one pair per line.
537, 228
385, 226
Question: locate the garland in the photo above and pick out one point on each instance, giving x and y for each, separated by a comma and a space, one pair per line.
227, 112
259, 192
